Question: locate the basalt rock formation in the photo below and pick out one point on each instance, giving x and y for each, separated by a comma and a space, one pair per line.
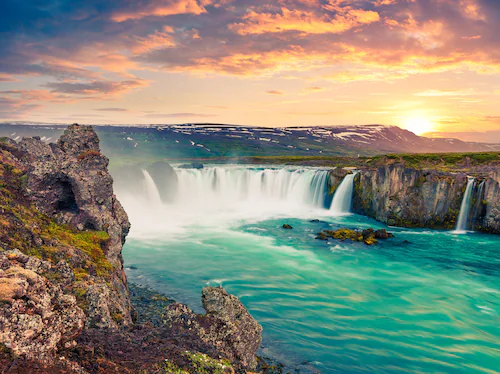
335, 178
400, 196
487, 212
64, 299
408, 197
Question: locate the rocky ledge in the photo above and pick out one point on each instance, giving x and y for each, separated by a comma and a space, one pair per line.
367, 236
64, 299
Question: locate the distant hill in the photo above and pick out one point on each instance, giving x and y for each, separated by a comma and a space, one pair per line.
218, 140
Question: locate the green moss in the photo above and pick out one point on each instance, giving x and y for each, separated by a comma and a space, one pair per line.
204, 364
198, 363
166, 367
90, 242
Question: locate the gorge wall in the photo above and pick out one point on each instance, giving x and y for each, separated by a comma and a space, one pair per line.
401, 196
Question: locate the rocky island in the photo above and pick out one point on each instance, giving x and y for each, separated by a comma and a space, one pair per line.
64, 299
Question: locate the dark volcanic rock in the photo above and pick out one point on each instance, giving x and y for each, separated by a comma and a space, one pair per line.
367, 236
192, 165
70, 182
407, 197
383, 234
400, 196
335, 178
287, 226
227, 326
489, 220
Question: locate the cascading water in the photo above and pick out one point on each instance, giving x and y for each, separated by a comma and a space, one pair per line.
150, 188
227, 195
225, 186
342, 200
462, 223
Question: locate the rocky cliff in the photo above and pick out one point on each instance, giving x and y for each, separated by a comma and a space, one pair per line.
64, 299
409, 197
487, 212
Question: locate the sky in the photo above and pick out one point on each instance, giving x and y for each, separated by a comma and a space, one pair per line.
431, 66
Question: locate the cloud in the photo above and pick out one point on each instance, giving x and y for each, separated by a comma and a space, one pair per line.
312, 89
99, 88
159, 8
447, 93
179, 115
326, 113
111, 44
15, 108
302, 21
112, 110
274, 92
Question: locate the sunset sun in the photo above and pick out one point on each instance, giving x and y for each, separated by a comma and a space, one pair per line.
418, 125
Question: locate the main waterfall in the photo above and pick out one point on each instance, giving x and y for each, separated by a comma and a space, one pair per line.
222, 194
226, 186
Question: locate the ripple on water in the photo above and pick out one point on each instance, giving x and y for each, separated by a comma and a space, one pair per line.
427, 306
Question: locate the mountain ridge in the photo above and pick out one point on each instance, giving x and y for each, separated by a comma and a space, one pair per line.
206, 140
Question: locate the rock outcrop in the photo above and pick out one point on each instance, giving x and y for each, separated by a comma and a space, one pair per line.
335, 178
227, 326
401, 196
70, 182
36, 317
488, 205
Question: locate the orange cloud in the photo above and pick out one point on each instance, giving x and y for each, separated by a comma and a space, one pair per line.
274, 92
302, 21
152, 42
162, 9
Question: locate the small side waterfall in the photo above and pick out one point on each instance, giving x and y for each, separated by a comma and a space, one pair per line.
463, 217
342, 200
151, 189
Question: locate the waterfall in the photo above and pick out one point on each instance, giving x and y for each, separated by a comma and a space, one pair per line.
150, 189
462, 223
319, 188
342, 200
226, 186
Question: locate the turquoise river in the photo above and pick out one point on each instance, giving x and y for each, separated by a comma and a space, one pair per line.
423, 302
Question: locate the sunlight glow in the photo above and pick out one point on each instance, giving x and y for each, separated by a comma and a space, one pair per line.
418, 125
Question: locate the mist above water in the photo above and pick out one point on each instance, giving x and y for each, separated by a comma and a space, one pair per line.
227, 195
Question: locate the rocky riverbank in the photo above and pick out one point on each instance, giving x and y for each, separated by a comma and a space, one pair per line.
64, 299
